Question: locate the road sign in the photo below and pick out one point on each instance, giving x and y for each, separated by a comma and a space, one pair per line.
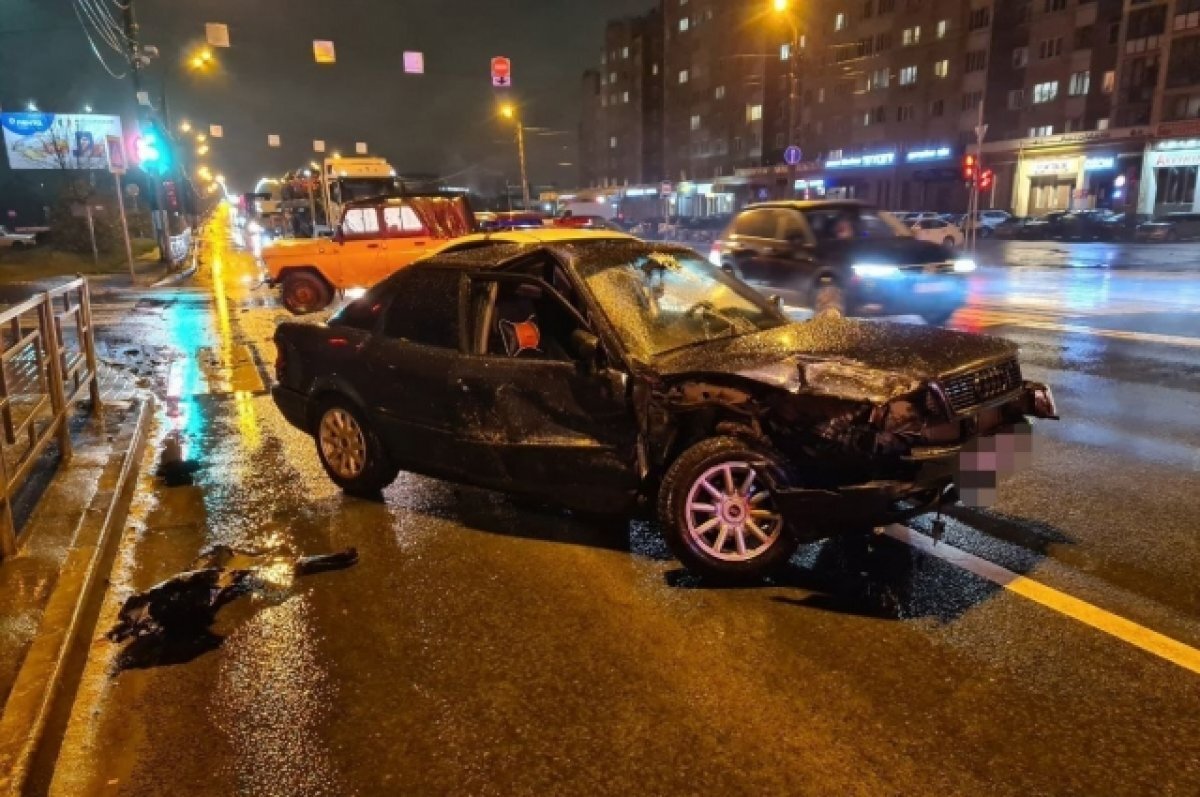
501, 72
360, 148
318, 145
323, 51
791, 155
216, 34
272, 140
414, 62
115, 148
216, 131
666, 187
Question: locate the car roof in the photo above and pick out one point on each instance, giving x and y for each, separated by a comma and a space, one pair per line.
811, 204
506, 246
390, 199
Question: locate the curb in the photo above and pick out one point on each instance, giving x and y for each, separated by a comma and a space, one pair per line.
45, 686
180, 276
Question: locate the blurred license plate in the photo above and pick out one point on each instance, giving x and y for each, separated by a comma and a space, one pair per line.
930, 287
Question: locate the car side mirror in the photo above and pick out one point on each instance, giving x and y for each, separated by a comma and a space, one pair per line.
586, 347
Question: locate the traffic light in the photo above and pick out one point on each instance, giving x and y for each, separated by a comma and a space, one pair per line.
152, 151
986, 178
968, 168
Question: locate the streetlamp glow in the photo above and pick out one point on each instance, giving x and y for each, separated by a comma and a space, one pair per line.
221, 179
31, 106
87, 109
781, 5
202, 149
201, 138
508, 111
185, 126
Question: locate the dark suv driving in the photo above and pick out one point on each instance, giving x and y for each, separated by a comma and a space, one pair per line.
843, 257
610, 375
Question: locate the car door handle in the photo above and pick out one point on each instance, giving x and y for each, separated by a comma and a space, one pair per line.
372, 246
419, 243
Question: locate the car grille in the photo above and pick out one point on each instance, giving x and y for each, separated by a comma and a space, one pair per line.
976, 387
929, 268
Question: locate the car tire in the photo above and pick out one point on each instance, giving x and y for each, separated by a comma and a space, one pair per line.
350, 451
828, 298
304, 292
937, 318
949, 241
717, 513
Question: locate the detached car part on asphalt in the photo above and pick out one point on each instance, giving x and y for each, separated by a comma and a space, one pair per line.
609, 375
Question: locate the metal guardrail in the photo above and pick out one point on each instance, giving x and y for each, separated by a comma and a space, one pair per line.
47, 363
180, 245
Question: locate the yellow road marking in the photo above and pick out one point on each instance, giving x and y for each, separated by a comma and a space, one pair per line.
1127, 631
994, 318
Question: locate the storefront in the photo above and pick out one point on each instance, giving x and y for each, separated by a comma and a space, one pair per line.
1169, 177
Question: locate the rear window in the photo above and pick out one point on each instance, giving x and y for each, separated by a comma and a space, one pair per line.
756, 224
424, 307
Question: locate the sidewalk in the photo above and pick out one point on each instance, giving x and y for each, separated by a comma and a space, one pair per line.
49, 592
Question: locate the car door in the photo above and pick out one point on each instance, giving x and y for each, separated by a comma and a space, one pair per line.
406, 240
408, 362
752, 245
534, 415
359, 239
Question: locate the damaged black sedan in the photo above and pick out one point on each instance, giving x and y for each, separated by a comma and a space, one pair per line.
617, 375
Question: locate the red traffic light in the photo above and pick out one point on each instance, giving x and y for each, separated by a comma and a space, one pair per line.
986, 178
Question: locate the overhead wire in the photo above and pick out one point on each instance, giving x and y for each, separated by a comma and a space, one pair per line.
92, 43
108, 30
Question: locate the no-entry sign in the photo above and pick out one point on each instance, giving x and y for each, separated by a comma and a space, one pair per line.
501, 71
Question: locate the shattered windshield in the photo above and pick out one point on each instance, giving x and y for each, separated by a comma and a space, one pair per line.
662, 301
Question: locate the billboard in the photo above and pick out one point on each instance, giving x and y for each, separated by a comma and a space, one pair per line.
57, 141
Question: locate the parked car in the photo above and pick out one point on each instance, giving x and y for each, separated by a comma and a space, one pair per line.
842, 257
515, 220
938, 231
985, 221
610, 376
15, 240
912, 218
1180, 226
1043, 228
1012, 228
374, 238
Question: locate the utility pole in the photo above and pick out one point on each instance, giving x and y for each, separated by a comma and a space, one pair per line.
136, 62
521, 154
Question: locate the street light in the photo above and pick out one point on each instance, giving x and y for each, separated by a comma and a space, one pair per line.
202, 149
201, 138
185, 126
509, 111
783, 8
31, 106
202, 59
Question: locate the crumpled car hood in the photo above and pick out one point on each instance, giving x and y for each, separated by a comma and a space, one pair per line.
871, 359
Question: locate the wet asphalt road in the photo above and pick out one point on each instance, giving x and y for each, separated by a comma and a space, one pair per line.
480, 647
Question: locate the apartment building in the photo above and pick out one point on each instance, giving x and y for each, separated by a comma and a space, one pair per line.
1080, 103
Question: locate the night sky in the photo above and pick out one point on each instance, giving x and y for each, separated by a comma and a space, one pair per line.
442, 122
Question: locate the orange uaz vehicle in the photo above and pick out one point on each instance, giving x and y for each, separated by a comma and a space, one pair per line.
375, 237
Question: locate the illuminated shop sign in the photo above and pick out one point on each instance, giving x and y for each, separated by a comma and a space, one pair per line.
1099, 163
862, 161
1166, 160
641, 192
815, 185
1053, 166
920, 155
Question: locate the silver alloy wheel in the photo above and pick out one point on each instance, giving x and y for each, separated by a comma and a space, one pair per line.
730, 515
342, 443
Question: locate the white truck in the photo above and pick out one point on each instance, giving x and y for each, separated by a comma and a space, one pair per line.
15, 239
347, 179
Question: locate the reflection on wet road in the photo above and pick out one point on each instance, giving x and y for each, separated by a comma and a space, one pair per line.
480, 647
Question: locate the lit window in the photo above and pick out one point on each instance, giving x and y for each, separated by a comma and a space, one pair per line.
1081, 83
911, 35
625, 97
785, 51
943, 27
695, 121
683, 76
1102, 124
1020, 57
612, 77
624, 52
1110, 81
908, 76
719, 93
942, 68
839, 22
1044, 130
753, 113
683, 24
1045, 92
612, 142
654, 69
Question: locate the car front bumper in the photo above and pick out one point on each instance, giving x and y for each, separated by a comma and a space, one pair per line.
928, 477
922, 295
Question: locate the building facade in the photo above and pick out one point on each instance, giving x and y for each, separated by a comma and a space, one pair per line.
1072, 104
